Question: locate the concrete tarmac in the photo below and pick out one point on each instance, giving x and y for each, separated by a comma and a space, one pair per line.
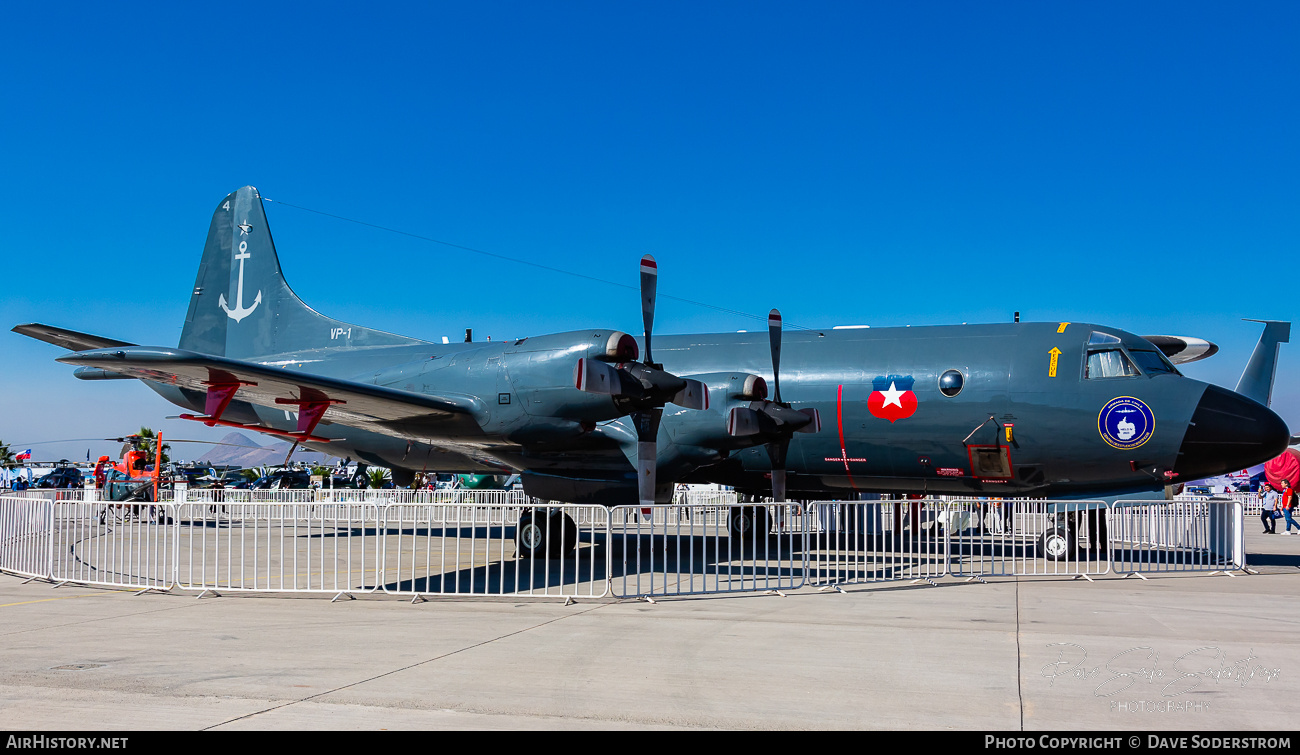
1030, 653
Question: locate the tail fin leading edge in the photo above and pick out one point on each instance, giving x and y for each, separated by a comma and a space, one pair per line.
242, 307
1257, 381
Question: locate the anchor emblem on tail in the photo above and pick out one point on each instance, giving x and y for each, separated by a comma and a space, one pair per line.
240, 312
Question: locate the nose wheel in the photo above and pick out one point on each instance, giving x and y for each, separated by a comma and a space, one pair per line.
1058, 542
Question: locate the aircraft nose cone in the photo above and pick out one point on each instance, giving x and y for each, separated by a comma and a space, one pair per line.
1228, 433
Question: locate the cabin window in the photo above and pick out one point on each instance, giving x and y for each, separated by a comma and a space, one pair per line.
1099, 337
1152, 362
1109, 363
950, 383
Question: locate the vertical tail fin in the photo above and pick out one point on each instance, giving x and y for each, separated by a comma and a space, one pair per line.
1257, 381
241, 306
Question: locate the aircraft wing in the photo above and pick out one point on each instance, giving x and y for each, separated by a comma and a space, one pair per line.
68, 339
386, 410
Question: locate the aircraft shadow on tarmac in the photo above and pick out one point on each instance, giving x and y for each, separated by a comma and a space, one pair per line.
482, 559
493, 567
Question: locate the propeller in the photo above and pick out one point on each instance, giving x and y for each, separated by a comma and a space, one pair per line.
640, 389
774, 419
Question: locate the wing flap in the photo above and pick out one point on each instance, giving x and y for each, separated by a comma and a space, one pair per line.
373, 407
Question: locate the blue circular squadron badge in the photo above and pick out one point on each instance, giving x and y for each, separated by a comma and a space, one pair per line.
1126, 422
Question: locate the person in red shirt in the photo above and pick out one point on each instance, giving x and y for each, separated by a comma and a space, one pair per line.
1288, 505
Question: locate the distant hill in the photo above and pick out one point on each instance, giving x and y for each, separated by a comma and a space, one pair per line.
243, 451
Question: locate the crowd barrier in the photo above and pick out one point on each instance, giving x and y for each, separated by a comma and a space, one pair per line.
706, 549
439, 549
1204, 535
501, 543
26, 530
276, 547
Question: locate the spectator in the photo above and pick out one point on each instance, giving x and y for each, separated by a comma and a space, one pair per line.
1268, 508
1288, 505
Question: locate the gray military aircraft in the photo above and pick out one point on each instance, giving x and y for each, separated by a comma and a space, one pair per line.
1061, 410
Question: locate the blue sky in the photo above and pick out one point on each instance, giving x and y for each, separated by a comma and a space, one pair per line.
889, 164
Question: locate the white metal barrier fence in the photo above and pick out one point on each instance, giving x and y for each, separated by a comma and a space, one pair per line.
692, 550
1027, 538
115, 545
870, 541
524, 551
25, 535
1179, 536
491, 546
277, 547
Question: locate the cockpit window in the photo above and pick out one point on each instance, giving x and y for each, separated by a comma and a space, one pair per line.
1099, 337
1108, 363
1151, 362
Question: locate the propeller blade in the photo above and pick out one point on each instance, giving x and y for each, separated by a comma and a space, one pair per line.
646, 457
694, 396
778, 485
593, 376
776, 451
647, 453
649, 283
741, 421
815, 426
774, 335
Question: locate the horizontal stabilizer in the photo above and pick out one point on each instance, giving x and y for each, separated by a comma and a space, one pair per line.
68, 339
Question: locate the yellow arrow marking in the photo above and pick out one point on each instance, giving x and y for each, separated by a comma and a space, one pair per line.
1056, 353
1062, 328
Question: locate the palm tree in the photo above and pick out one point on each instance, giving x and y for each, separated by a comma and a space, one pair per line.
148, 441
6, 455
379, 476
253, 473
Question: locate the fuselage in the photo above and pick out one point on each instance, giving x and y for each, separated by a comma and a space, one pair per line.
1053, 409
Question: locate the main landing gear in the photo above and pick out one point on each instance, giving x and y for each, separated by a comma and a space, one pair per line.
543, 533
748, 525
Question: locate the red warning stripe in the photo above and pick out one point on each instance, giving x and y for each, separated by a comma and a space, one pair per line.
839, 419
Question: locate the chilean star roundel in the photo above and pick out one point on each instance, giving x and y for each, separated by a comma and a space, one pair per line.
892, 397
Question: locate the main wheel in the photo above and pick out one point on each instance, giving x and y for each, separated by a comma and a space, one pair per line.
1058, 542
563, 532
531, 534
748, 524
